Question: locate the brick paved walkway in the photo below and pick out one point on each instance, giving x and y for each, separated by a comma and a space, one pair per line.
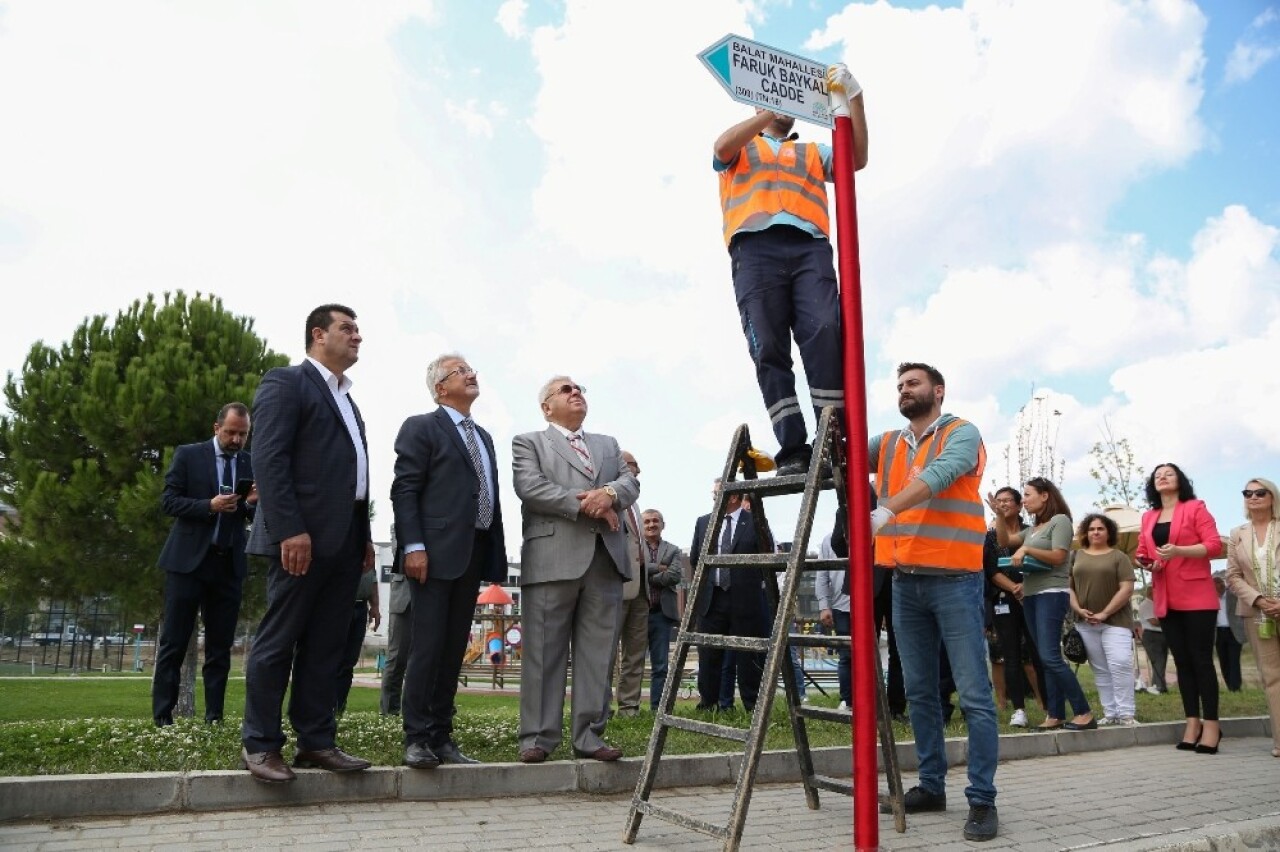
1128, 799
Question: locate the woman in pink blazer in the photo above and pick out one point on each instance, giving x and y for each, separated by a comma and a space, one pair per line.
1253, 575
1178, 539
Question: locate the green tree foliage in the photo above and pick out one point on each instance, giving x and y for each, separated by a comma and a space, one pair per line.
90, 431
1115, 468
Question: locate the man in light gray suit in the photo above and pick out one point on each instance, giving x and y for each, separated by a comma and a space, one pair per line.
573, 562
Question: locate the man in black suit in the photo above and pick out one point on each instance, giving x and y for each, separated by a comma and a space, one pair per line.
313, 524
204, 559
731, 602
449, 517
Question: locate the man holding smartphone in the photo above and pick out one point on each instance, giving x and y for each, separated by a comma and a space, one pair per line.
209, 490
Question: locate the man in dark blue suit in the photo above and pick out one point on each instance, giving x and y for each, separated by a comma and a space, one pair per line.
449, 518
203, 559
731, 602
313, 524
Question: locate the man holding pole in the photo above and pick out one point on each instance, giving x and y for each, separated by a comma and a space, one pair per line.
776, 224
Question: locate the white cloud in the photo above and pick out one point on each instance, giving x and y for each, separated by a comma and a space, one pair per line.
510, 18
1253, 49
469, 117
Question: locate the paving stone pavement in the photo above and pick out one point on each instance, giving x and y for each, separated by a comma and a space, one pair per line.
1140, 798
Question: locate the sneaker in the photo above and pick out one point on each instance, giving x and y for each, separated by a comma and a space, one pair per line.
919, 800
1107, 721
982, 823
844, 705
1018, 719
1154, 690
1126, 721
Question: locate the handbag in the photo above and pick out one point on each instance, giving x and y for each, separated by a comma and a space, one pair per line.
1073, 644
1030, 565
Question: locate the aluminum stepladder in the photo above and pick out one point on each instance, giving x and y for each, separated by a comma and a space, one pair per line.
825, 472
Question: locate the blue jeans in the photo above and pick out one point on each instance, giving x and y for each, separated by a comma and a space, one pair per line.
930, 612
660, 628
1045, 613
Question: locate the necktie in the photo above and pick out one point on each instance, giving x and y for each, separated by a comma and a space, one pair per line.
580, 447
484, 517
222, 536
726, 545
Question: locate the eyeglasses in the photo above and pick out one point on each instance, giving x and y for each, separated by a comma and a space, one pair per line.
566, 389
1257, 492
463, 370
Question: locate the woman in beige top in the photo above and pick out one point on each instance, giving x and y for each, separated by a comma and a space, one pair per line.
1253, 576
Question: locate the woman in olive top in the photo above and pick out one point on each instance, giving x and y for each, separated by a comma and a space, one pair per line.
1101, 586
1042, 553
1178, 539
1253, 574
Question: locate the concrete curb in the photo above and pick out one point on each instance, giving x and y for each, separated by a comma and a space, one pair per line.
47, 797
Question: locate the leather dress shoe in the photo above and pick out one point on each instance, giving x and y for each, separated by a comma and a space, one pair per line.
420, 756
333, 759
450, 753
604, 753
535, 754
266, 766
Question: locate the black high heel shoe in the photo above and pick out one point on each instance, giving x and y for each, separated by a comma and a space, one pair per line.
1207, 749
1190, 746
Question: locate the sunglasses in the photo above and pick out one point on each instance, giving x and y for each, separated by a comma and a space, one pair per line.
566, 389
1257, 492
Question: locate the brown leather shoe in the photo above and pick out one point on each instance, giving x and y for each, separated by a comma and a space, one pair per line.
605, 753
536, 754
266, 766
333, 759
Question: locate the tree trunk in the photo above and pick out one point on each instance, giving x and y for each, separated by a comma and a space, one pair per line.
187, 685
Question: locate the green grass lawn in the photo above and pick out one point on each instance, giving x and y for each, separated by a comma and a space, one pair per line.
64, 724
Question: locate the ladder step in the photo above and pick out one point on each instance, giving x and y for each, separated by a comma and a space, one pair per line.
777, 561
680, 818
736, 643
817, 640
825, 714
774, 485
832, 785
697, 726
825, 565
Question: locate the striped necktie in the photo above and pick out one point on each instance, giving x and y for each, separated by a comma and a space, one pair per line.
484, 517
580, 447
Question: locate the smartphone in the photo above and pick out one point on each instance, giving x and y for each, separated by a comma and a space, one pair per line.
243, 487
224, 490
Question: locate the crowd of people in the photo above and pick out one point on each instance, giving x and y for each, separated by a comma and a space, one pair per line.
598, 577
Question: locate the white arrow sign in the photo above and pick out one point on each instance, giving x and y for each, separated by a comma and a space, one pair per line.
756, 74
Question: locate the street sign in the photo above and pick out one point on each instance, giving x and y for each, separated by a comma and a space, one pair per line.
761, 76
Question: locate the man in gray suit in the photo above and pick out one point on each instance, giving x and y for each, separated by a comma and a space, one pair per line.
311, 462
663, 568
573, 563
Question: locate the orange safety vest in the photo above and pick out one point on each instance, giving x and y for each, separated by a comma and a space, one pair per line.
760, 182
945, 531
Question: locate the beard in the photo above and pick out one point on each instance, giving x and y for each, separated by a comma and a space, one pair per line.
915, 406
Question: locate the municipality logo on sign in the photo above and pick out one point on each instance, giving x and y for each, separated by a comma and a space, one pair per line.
758, 75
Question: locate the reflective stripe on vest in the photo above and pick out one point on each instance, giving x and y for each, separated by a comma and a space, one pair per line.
945, 531
761, 182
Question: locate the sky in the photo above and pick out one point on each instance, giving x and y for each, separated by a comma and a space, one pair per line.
1070, 201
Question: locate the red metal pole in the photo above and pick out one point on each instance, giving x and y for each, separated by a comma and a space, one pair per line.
866, 783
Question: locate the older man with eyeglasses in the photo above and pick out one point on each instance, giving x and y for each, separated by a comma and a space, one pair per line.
449, 522
572, 486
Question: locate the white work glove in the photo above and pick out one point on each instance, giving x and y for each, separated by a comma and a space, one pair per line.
879, 517
841, 88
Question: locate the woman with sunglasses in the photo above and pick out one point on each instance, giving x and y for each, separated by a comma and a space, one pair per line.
1101, 586
1253, 576
1177, 540
1042, 553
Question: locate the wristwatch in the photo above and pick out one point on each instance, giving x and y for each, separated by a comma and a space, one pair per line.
613, 495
